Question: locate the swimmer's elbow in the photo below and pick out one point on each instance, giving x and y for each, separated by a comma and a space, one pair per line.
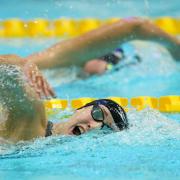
139, 26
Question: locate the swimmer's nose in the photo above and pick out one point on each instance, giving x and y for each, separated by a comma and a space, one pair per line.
88, 126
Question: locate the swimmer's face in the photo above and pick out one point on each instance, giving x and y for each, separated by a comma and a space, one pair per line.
82, 121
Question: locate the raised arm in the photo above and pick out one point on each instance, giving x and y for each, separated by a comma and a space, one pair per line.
25, 112
35, 77
103, 40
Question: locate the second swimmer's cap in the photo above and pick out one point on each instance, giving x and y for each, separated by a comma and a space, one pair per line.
117, 112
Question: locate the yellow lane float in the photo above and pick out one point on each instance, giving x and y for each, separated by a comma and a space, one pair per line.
65, 27
13, 28
68, 27
56, 104
77, 103
168, 104
39, 28
169, 25
88, 24
143, 102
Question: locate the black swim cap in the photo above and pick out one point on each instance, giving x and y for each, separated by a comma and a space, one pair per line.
117, 112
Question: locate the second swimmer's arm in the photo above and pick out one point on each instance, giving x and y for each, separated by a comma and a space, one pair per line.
101, 41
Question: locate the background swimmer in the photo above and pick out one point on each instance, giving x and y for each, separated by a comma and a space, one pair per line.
99, 43
109, 61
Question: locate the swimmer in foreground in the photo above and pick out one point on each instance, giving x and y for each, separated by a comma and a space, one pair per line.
22, 113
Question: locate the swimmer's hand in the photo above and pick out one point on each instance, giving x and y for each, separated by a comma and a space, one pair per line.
37, 81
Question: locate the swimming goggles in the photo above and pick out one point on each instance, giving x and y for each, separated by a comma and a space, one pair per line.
98, 114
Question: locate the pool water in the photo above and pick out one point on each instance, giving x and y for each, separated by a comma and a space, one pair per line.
79, 9
149, 149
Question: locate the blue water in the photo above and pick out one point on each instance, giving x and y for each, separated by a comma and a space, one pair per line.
149, 150
82, 8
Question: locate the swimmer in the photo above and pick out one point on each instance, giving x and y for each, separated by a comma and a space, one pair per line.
21, 88
24, 115
99, 43
103, 42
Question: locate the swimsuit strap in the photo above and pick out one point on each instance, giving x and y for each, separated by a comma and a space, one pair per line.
49, 129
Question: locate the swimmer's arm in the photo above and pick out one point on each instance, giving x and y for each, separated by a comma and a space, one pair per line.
26, 116
101, 41
32, 72
79, 50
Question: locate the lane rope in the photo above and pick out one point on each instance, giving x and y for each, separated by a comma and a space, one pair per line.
67, 27
167, 104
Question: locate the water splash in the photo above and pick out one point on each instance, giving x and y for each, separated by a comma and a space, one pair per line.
147, 127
